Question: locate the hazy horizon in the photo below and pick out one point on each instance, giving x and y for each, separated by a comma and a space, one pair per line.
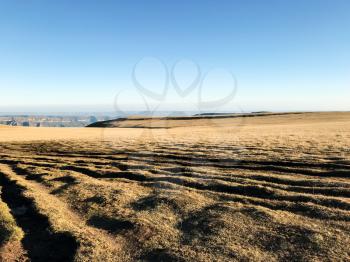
76, 110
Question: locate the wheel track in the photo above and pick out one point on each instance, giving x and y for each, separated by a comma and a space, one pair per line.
62, 222
265, 191
40, 241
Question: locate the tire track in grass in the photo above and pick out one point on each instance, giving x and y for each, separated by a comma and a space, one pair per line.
40, 241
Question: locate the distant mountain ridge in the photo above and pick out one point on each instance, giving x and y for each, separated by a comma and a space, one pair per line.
175, 121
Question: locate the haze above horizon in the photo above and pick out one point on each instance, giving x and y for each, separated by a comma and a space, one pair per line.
80, 55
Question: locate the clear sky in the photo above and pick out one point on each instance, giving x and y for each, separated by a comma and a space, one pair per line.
78, 55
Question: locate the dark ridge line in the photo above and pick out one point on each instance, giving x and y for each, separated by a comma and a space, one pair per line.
316, 191
279, 166
244, 190
324, 190
181, 157
127, 176
98, 156
303, 183
17, 162
110, 123
279, 183
142, 178
229, 161
254, 178
49, 160
287, 205
40, 241
264, 193
149, 127
311, 189
195, 158
120, 174
296, 208
124, 167
332, 173
135, 155
9, 162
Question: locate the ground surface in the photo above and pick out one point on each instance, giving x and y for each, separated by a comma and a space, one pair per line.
253, 189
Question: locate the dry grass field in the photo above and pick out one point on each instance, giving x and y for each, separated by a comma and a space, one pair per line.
264, 188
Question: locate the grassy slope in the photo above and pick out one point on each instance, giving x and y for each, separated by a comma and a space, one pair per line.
9, 231
10, 235
205, 121
272, 188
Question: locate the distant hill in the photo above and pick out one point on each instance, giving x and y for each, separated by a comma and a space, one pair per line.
170, 122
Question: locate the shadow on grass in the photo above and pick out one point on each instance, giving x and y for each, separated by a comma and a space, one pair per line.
40, 241
112, 225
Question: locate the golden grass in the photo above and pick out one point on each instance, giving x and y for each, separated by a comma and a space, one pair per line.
10, 236
271, 188
9, 231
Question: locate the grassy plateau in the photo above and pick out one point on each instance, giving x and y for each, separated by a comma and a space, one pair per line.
269, 187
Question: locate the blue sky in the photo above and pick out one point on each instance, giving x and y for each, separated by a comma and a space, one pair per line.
80, 55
